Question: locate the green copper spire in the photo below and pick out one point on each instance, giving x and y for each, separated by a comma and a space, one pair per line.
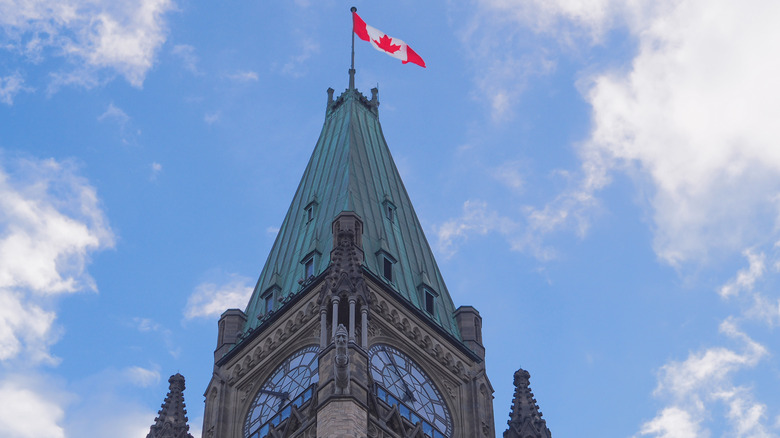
351, 169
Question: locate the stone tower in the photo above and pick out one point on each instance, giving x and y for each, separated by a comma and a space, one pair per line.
350, 331
525, 418
171, 421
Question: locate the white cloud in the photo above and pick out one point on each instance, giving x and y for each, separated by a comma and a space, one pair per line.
751, 288
156, 170
50, 223
142, 377
295, 65
696, 114
146, 325
122, 36
115, 113
10, 86
704, 382
211, 118
244, 76
591, 17
692, 117
672, 422
746, 278
188, 57
477, 218
510, 175
30, 411
209, 299
109, 403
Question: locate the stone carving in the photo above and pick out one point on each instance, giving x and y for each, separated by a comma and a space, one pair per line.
171, 421
246, 392
272, 341
525, 418
345, 278
419, 336
341, 361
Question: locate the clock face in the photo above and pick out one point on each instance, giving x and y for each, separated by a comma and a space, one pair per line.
290, 379
404, 379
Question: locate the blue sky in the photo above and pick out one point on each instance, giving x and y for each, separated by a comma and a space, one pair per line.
600, 179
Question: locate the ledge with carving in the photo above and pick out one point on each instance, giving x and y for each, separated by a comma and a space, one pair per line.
419, 335
304, 318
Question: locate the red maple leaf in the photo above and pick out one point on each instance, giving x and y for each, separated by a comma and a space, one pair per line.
384, 43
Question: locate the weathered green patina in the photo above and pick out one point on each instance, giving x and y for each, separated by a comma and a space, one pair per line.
351, 169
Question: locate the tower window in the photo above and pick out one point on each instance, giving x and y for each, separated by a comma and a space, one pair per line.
389, 209
269, 303
308, 268
430, 302
388, 269
310, 210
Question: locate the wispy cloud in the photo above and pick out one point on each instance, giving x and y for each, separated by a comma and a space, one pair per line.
693, 126
295, 65
51, 222
10, 86
477, 218
211, 118
119, 36
746, 278
210, 299
188, 57
243, 76
30, 408
114, 114
156, 169
147, 325
142, 377
705, 382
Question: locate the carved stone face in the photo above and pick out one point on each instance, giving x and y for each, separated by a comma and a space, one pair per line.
341, 335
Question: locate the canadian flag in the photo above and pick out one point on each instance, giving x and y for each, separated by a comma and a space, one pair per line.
385, 43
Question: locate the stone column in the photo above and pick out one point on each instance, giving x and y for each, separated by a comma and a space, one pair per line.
335, 316
323, 327
364, 326
352, 302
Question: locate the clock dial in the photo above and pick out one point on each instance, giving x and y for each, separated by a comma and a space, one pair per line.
405, 379
291, 378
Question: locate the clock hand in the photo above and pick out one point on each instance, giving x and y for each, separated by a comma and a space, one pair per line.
408, 395
281, 395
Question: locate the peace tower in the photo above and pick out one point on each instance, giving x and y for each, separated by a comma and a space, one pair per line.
350, 330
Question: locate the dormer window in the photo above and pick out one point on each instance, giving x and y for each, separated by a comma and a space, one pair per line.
308, 268
428, 298
310, 211
309, 265
268, 300
389, 209
387, 269
385, 265
430, 302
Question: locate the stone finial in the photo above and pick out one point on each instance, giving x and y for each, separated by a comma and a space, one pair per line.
171, 420
525, 418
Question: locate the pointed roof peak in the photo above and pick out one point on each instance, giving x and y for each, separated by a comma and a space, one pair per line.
352, 169
525, 418
171, 420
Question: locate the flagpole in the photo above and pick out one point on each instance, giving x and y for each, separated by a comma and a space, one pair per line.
352, 66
